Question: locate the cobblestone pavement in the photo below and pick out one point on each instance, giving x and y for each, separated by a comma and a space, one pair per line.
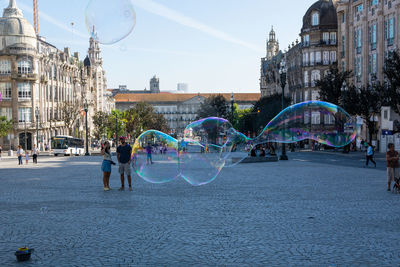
290, 213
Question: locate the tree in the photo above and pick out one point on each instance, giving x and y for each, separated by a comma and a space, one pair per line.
100, 122
70, 113
115, 123
392, 75
5, 126
214, 106
366, 102
331, 85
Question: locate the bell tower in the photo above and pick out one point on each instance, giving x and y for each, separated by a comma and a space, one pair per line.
272, 45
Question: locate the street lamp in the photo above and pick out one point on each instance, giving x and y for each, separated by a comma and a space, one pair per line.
282, 73
232, 101
26, 138
85, 106
37, 126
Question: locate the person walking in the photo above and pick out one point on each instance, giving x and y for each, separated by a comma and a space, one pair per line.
392, 160
149, 158
124, 152
370, 155
35, 153
20, 152
106, 165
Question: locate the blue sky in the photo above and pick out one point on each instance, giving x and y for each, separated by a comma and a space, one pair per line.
213, 45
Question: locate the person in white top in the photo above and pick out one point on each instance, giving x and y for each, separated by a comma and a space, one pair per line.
20, 152
35, 153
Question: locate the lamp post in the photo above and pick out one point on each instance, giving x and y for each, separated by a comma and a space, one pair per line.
87, 137
37, 126
282, 73
232, 101
26, 138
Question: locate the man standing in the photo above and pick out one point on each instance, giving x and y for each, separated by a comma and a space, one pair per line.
124, 152
392, 159
35, 153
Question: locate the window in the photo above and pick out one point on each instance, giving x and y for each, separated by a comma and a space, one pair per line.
343, 46
24, 114
358, 40
390, 31
359, 8
372, 36
318, 57
373, 64
315, 76
315, 117
306, 40
24, 66
326, 58
315, 19
343, 18
385, 114
325, 37
5, 90
333, 56
332, 38
329, 119
5, 67
24, 91
373, 2
6, 112
311, 58
305, 79
358, 67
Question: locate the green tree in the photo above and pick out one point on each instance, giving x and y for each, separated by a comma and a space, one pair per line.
69, 113
115, 123
331, 85
366, 102
214, 106
100, 122
5, 126
392, 75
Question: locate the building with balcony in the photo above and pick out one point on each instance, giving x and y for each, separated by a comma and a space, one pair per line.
37, 79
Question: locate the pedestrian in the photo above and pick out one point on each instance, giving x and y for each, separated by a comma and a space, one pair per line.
20, 152
106, 165
149, 158
0, 151
124, 152
27, 157
370, 154
35, 153
392, 160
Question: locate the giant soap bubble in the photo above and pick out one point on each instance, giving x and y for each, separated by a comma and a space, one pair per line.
109, 21
212, 143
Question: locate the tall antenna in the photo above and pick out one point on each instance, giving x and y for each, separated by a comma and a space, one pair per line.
36, 15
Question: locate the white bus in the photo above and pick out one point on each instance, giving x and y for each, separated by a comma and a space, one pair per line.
67, 145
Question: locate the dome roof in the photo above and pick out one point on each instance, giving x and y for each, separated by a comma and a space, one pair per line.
327, 15
14, 28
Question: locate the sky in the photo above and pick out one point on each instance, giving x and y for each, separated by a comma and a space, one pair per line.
212, 45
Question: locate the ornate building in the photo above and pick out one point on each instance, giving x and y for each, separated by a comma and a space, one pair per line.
368, 32
317, 50
269, 78
37, 79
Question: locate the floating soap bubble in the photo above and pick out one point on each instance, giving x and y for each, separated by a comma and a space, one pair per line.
199, 164
208, 131
323, 122
155, 157
110, 21
236, 148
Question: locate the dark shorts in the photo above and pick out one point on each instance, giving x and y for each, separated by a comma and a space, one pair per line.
106, 166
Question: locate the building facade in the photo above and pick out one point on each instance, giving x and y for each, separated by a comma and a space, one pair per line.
36, 79
179, 109
317, 51
269, 73
368, 32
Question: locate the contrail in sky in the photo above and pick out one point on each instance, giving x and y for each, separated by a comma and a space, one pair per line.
179, 18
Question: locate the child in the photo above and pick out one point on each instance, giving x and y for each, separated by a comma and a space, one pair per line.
27, 157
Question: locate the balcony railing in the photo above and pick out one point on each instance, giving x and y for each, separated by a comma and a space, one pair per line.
25, 76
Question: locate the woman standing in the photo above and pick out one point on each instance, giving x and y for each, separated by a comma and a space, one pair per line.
106, 165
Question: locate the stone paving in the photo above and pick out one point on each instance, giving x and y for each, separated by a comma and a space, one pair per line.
266, 214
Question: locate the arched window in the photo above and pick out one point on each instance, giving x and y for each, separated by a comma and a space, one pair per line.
24, 66
5, 67
315, 19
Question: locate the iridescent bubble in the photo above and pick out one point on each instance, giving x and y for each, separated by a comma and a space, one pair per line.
208, 131
155, 157
323, 122
199, 164
237, 148
110, 21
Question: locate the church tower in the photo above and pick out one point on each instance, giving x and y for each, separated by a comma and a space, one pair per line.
94, 51
155, 85
272, 45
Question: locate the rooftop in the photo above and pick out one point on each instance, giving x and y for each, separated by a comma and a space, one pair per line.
168, 97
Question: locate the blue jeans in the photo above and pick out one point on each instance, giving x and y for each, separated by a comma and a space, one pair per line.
19, 160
